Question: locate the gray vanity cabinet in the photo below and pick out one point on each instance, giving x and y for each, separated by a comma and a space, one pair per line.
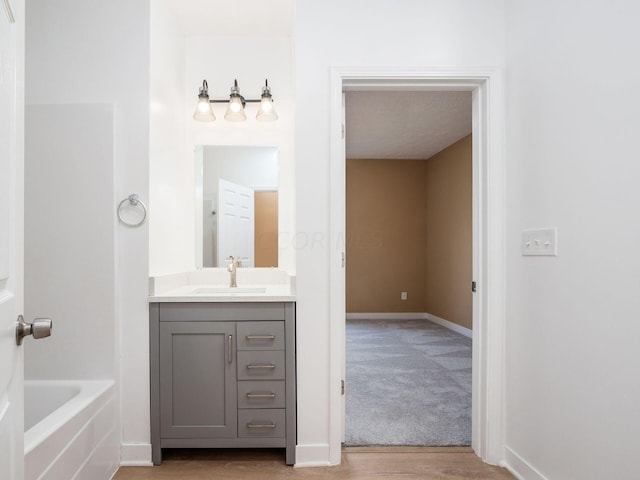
222, 376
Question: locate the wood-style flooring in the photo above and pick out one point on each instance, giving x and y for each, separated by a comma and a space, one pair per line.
357, 464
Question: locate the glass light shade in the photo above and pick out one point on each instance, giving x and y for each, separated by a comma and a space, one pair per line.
266, 110
204, 112
235, 110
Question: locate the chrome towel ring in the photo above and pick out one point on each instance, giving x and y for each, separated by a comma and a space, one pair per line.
133, 201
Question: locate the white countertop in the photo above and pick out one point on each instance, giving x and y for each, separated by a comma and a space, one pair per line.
211, 285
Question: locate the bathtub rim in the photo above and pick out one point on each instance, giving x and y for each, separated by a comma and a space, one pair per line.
90, 391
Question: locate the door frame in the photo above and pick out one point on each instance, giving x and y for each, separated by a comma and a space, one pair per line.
486, 85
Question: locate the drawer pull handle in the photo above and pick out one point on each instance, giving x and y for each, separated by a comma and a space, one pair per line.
261, 395
253, 367
260, 337
261, 425
230, 348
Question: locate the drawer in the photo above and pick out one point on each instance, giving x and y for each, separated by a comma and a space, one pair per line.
261, 422
261, 394
220, 312
267, 365
260, 336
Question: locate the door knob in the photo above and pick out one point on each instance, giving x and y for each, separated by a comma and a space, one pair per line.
40, 328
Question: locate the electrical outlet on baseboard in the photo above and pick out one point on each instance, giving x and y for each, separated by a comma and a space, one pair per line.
403, 295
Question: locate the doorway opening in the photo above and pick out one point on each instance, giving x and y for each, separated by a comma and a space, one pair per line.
408, 278
487, 219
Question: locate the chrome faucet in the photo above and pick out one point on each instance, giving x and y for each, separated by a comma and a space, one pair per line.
232, 268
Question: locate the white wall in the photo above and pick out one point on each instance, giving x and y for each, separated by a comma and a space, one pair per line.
572, 360
171, 233
69, 165
98, 52
339, 33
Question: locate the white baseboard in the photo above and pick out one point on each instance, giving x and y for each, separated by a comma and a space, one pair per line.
519, 467
315, 455
412, 316
135, 455
467, 332
388, 316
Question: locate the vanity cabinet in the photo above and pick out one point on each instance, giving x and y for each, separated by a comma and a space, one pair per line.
222, 376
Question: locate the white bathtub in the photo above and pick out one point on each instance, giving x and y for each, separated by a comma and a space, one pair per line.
71, 430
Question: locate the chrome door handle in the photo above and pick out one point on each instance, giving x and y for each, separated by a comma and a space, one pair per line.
230, 348
251, 367
40, 328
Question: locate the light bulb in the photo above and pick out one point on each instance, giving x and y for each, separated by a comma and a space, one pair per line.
204, 106
266, 111
204, 112
235, 105
266, 105
235, 109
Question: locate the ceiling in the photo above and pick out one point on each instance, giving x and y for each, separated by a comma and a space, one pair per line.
405, 125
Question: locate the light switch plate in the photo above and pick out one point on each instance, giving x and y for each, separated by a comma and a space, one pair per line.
540, 242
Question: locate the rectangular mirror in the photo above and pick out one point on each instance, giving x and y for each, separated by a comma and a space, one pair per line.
236, 205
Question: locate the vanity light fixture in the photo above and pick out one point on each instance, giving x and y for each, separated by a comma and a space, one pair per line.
236, 103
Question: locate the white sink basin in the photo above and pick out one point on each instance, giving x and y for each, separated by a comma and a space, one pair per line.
227, 290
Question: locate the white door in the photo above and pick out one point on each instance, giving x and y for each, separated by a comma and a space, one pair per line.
11, 239
236, 223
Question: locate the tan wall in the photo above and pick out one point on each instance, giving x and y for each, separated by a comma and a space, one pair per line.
449, 239
266, 229
386, 235
409, 229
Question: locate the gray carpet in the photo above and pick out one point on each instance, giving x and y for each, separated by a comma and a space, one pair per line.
408, 383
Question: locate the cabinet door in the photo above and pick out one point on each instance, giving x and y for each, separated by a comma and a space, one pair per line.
198, 395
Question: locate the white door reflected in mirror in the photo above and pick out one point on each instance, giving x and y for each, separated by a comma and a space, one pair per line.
235, 219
